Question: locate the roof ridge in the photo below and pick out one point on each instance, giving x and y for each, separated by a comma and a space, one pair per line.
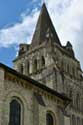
33, 82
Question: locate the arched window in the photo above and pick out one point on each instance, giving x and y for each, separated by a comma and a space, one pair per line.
35, 65
15, 113
42, 62
49, 119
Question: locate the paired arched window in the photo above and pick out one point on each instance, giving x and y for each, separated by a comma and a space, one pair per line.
36, 65
49, 119
15, 113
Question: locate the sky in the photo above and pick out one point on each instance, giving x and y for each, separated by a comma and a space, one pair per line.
18, 19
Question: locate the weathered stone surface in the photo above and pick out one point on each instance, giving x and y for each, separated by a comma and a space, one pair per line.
61, 70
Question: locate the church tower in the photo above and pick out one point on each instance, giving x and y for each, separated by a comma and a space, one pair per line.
38, 60
52, 64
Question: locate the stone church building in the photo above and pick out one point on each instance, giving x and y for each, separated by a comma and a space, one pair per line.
45, 87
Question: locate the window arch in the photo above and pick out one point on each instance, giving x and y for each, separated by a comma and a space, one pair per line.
42, 61
15, 113
50, 119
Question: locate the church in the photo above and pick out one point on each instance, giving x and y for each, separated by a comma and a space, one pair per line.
45, 86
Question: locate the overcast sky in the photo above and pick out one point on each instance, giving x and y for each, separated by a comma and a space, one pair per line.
18, 19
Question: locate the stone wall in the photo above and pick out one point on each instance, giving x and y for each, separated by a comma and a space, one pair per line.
61, 72
32, 112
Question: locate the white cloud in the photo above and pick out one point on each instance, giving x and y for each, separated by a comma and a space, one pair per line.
20, 32
67, 16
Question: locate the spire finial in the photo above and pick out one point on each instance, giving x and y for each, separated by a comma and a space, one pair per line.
43, 6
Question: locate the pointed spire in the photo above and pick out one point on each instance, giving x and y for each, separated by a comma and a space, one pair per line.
69, 45
69, 48
43, 7
43, 25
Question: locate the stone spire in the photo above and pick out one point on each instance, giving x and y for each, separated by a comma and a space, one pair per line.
44, 25
69, 48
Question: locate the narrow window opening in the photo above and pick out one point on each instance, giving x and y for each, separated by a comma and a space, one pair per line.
43, 62
27, 67
35, 66
49, 119
15, 113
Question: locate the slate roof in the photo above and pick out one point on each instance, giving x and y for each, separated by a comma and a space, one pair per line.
44, 25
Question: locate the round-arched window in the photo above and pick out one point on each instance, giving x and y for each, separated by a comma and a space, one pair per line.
49, 119
15, 113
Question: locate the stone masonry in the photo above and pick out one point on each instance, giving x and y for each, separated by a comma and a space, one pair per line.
53, 65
